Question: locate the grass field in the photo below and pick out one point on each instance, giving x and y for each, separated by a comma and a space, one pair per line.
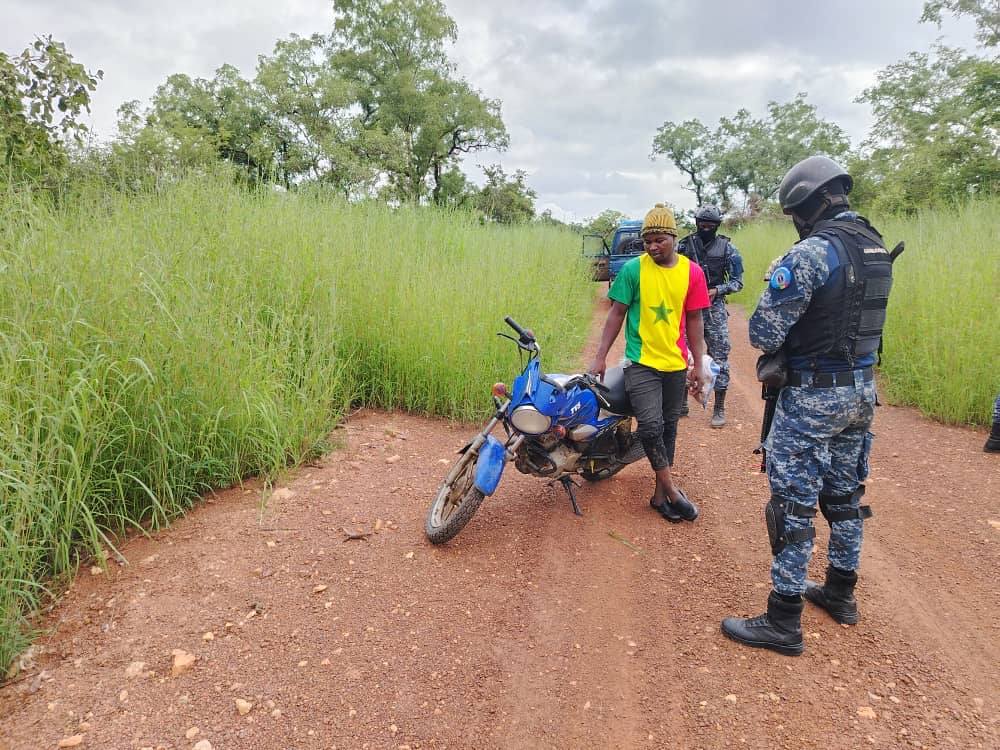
152, 348
942, 337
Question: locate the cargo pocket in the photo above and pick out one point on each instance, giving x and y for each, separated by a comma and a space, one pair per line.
866, 449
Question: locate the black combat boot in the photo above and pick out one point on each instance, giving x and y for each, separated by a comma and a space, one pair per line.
779, 629
836, 596
993, 441
719, 414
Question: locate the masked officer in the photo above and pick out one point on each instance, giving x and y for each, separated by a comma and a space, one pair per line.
824, 306
723, 268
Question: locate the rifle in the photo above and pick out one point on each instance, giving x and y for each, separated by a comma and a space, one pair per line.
770, 396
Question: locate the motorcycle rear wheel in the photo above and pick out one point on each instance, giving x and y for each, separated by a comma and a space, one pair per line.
455, 503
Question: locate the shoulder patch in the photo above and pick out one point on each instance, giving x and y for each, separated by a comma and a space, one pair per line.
781, 278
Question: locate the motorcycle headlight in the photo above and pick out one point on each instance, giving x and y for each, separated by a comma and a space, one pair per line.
529, 420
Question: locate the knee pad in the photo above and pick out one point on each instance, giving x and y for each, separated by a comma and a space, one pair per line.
774, 515
857, 512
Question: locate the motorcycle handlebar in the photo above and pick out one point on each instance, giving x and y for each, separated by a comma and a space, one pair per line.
517, 329
526, 336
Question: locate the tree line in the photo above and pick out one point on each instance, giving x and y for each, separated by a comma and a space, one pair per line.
375, 109
935, 139
372, 109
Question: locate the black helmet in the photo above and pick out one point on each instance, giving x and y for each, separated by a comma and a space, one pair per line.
708, 213
808, 176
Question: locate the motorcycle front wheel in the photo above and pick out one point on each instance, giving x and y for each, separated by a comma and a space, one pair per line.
456, 501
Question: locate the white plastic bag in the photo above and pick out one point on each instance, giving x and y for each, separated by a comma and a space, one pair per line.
709, 370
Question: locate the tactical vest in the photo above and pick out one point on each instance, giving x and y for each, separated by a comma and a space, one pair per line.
846, 315
713, 259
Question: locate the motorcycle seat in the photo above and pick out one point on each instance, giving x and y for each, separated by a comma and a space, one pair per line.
613, 390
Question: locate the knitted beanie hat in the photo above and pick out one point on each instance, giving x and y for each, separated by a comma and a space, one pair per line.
659, 220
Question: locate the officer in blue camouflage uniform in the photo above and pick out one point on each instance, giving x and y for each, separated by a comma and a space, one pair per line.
824, 307
723, 268
993, 441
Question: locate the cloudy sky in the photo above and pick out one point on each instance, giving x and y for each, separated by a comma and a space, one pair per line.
584, 83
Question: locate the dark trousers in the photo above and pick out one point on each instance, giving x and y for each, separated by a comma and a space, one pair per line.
656, 399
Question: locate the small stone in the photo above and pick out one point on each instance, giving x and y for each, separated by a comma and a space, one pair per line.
409, 555
73, 741
192, 733
182, 662
123, 696
282, 494
276, 713
731, 698
393, 728
243, 706
202, 745
325, 663
303, 663
271, 543
96, 570
352, 713
209, 636
319, 589
135, 669
392, 459
866, 712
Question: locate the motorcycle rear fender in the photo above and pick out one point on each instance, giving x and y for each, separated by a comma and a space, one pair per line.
489, 465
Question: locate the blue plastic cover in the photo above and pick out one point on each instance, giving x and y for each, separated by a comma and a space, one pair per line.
489, 466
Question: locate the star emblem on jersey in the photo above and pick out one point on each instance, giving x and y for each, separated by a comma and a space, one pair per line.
662, 312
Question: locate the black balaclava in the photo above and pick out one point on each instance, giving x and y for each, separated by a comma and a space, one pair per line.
707, 235
828, 201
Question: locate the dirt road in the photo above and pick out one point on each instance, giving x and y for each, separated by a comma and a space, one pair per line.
533, 628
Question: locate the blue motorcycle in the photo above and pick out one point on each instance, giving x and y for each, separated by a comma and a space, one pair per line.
556, 426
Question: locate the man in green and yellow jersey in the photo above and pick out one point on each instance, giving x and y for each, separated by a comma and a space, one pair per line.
659, 297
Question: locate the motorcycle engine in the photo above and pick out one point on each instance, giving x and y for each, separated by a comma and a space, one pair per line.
545, 456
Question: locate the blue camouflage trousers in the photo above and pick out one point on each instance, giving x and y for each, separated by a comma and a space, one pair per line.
996, 409
819, 442
716, 320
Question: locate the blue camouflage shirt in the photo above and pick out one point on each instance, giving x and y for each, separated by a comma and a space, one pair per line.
808, 266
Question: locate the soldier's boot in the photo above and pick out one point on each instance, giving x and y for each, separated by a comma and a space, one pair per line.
779, 629
836, 596
719, 413
993, 441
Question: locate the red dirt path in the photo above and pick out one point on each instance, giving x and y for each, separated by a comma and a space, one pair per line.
533, 628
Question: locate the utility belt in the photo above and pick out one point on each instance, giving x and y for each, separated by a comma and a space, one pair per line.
811, 379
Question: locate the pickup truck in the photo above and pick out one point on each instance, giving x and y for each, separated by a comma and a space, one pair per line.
606, 259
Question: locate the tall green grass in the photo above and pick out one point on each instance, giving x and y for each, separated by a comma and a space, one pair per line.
942, 338
154, 347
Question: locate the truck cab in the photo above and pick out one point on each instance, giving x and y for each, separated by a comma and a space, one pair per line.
607, 258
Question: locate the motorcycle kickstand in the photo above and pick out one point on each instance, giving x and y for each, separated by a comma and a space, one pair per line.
568, 483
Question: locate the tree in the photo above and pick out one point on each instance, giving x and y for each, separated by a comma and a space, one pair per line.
506, 200
312, 129
936, 135
455, 190
43, 94
754, 154
985, 13
605, 223
742, 162
690, 147
393, 52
